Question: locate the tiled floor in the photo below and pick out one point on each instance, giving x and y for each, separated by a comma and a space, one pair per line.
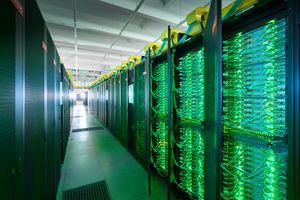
96, 155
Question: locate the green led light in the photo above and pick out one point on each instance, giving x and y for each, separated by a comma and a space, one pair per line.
190, 109
159, 130
254, 87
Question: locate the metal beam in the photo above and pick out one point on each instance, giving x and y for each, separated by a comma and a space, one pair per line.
165, 2
151, 12
61, 15
126, 24
213, 101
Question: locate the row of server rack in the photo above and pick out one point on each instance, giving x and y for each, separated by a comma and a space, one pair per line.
214, 117
35, 109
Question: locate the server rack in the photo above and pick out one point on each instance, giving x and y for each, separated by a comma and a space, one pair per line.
187, 153
58, 117
139, 108
108, 104
110, 100
103, 103
183, 67
108, 113
117, 107
100, 110
257, 104
35, 133
66, 109
51, 163
158, 137
131, 116
94, 101
113, 104
8, 59
95, 110
123, 108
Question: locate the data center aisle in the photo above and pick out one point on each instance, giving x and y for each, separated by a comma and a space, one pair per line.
96, 155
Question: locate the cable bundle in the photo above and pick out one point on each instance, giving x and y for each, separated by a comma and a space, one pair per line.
253, 172
254, 109
188, 138
159, 118
254, 86
191, 86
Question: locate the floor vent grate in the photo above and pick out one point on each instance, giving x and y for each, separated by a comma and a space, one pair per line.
94, 191
87, 129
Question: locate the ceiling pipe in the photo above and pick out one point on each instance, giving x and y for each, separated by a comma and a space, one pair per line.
178, 25
118, 36
75, 36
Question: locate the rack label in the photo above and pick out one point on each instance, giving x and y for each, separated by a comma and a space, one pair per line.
44, 46
18, 6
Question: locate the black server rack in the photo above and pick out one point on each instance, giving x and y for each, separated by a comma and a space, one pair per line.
50, 120
93, 100
7, 99
187, 152
95, 110
35, 72
131, 115
66, 109
103, 103
256, 104
109, 102
106, 86
98, 103
114, 106
139, 107
159, 113
58, 117
117, 110
123, 106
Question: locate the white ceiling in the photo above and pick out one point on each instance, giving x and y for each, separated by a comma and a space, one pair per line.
99, 23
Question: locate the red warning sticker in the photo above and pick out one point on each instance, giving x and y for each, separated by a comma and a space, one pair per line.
17, 4
44, 46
